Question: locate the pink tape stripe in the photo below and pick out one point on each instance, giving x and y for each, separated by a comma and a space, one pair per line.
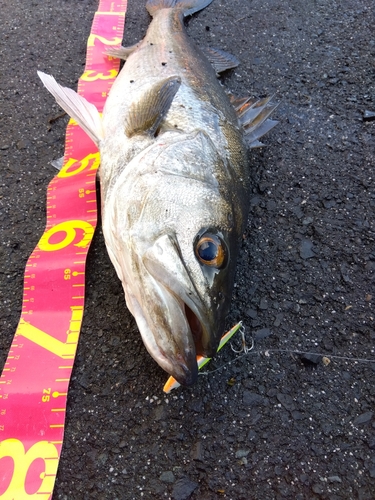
35, 379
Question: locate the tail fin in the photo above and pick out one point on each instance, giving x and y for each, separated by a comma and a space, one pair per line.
188, 6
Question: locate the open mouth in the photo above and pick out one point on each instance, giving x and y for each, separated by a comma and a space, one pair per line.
196, 330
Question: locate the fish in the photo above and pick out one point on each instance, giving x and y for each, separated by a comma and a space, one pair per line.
175, 183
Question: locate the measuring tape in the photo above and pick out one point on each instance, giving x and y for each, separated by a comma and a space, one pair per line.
36, 375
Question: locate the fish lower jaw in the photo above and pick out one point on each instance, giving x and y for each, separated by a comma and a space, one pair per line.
176, 349
179, 363
183, 368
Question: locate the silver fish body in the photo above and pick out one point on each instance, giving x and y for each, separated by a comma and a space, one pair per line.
174, 177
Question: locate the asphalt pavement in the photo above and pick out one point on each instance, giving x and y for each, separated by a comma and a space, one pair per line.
295, 417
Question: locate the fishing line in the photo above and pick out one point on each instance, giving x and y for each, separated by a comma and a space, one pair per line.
251, 350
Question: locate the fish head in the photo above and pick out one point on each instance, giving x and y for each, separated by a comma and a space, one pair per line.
172, 226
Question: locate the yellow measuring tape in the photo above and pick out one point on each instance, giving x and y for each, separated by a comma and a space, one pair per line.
35, 379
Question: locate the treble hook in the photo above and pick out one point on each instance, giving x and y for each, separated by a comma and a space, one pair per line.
245, 349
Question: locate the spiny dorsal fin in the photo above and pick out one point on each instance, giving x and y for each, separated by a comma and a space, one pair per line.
253, 116
146, 115
251, 138
85, 113
257, 114
122, 52
259, 110
220, 60
238, 102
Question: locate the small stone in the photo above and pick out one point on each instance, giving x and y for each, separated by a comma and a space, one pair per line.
160, 413
263, 304
317, 488
255, 200
278, 470
334, 479
251, 313
242, 453
305, 249
252, 399
197, 451
262, 333
156, 487
183, 488
278, 319
368, 116
297, 415
326, 361
167, 477
4, 146
252, 435
309, 359
364, 418
197, 406
304, 478
307, 221
23, 144
286, 401
271, 205
102, 458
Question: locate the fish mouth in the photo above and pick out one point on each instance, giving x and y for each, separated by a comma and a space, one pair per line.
196, 330
171, 332
175, 323
182, 363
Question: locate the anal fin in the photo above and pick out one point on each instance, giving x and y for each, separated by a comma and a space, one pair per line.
146, 115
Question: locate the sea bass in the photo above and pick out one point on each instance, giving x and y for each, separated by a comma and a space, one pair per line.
174, 179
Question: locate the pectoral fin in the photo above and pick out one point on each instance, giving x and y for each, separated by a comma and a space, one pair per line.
146, 115
85, 113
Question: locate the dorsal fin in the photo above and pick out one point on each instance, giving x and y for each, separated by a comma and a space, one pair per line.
238, 102
146, 115
249, 114
253, 116
251, 137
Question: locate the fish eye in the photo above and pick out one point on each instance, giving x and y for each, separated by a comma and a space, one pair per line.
211, 251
